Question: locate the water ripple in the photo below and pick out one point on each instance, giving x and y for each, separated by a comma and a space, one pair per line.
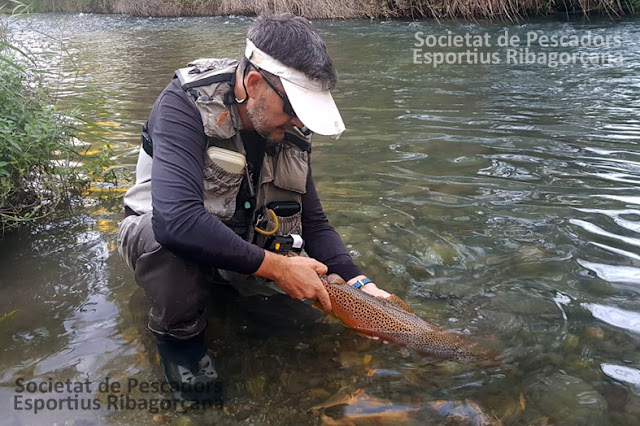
614, 273
628, 320
597, 230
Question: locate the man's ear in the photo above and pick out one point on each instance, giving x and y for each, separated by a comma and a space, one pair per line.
254, 84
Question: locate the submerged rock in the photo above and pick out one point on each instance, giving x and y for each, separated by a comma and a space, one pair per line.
358, 407
294, 383
319, 394
567, 399
595, 333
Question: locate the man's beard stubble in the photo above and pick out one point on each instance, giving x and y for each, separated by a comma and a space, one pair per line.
257, 113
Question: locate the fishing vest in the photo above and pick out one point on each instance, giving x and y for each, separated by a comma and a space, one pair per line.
233, 197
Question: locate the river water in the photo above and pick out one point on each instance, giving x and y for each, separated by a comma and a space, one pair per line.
499, 200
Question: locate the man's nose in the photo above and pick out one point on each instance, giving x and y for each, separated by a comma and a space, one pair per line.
296, 122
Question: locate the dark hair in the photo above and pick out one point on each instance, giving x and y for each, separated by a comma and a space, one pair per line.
293, 41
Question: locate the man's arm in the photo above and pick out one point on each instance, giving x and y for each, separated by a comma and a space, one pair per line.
180, 222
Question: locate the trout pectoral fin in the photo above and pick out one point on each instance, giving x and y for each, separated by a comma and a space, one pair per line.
319, 307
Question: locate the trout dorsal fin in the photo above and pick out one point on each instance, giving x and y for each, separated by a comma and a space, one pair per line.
397, 302
335, 279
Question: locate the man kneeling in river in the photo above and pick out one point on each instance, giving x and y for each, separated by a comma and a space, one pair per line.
230, 190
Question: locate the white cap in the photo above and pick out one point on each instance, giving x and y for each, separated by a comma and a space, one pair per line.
311, 100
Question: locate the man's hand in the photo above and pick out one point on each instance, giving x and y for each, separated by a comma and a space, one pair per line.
297, 276
370, 288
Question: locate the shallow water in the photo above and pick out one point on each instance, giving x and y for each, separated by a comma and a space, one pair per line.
499, 201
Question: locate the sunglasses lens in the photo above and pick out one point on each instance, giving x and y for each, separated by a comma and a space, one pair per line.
287, 108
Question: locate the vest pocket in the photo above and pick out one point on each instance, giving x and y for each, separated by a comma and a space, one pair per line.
293, 168
290, 224
215, 117
220, 190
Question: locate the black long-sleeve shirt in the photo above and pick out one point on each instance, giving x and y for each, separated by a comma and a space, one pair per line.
180, 222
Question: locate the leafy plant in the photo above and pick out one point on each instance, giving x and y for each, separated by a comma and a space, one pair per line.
37, 153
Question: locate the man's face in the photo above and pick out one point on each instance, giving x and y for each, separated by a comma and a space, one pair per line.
267, 116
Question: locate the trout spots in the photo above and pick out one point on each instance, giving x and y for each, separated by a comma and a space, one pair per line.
391, 321
363, 311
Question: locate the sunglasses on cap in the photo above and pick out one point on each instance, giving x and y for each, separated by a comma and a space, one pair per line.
286, 107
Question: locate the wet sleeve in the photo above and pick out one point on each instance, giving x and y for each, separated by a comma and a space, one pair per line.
180, 222
322, 242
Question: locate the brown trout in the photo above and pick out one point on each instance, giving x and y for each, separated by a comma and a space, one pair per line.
393, 320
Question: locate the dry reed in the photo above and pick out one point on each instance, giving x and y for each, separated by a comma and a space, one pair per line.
509, 10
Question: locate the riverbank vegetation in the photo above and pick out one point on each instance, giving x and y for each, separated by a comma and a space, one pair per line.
339, 9
37, 149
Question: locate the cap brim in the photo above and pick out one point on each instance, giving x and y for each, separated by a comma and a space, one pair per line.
316, 109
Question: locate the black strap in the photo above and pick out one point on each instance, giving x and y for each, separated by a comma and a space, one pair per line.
147, 143
128, 211
297, 141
